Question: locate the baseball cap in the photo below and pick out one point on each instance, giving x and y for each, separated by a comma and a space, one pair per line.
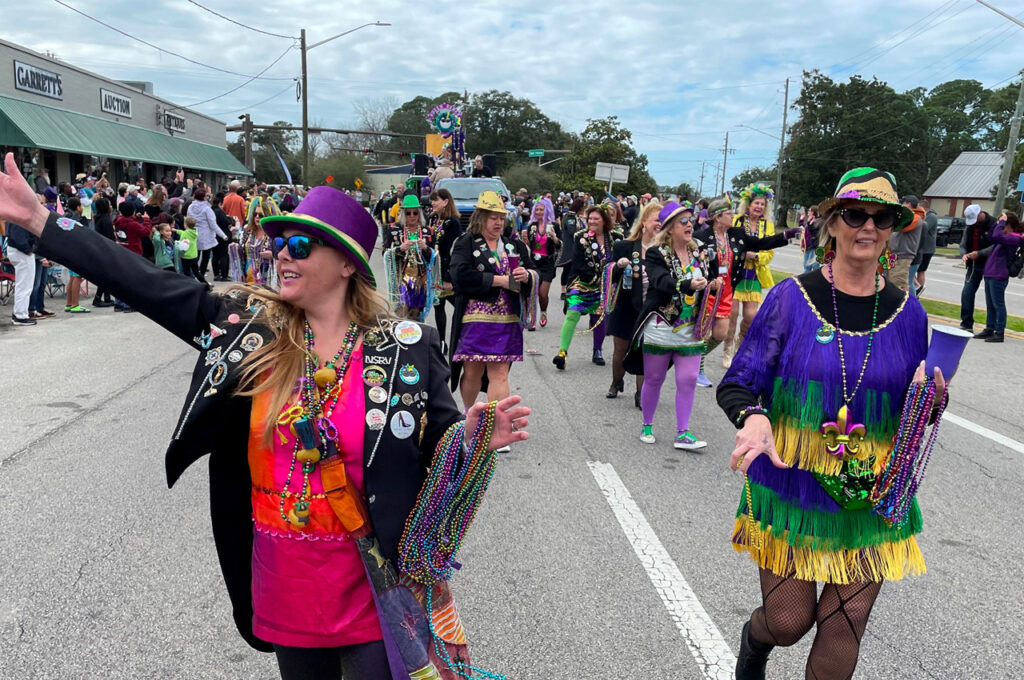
971, 213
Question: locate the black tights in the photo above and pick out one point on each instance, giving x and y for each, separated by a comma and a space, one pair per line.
790, 607
441, 317
367, 661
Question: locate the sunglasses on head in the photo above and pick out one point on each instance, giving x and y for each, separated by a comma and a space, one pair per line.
856, 218
299, 246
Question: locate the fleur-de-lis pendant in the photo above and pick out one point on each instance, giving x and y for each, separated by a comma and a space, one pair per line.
841, 437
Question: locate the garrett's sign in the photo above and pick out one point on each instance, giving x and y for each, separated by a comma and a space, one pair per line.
38, 81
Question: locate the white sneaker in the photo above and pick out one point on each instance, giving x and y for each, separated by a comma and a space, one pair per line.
647, 435
688, 442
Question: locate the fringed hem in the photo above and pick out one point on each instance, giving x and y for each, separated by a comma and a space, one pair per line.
883, 562
683, 350
746, 295
805, 448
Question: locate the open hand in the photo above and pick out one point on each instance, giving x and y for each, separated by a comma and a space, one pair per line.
510, 421
18, 203
754, 439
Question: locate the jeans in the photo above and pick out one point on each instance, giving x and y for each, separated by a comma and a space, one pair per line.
995, 303
810, 261
24, 279
972, 281
35, 303
913, 276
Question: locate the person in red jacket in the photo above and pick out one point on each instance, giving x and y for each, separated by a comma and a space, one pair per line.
133, 227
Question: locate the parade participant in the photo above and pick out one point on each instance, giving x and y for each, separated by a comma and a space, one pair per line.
572, 221
306, 520
630, 275
833, 351
411, 264
250, 259
445, 229
757, 273
542, 239
592, 250
678, 268
732, 244
495, 296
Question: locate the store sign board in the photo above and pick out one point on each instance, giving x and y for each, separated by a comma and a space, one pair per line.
117, 104
174, 123
37, 81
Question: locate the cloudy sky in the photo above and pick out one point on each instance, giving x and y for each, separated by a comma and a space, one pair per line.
678, 74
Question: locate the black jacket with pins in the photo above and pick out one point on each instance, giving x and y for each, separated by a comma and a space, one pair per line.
214, 421
741, 243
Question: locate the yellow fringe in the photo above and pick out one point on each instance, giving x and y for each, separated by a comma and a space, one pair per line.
805, 449
747, 295
882, 562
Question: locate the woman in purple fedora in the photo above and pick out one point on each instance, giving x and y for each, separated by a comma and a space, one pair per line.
321, 414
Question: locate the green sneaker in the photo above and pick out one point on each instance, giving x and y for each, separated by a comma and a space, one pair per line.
77, 309
647, 434
688, 441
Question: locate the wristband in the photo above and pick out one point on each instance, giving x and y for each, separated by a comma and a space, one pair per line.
748, 411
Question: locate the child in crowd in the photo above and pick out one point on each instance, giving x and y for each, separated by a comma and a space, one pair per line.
73, 289
190, 251
165, 252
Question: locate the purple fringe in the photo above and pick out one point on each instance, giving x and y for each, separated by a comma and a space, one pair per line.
793, 485
413, 295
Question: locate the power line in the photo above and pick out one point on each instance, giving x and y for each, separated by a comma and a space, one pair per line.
253, 106
238, 23
920, 31
160, 49
235, 89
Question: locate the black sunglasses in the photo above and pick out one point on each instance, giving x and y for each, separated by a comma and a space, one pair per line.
855, 217
299, 246
411, 212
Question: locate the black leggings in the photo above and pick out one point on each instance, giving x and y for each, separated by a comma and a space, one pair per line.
441, 317
367, 661
190, 267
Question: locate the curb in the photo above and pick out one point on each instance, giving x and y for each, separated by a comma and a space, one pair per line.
946, 321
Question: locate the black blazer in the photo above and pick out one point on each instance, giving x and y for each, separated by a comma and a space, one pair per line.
741, 243
632, 299
664, 291
566, 229
554, 241
213, 420
473, 279
449, 231
588, 262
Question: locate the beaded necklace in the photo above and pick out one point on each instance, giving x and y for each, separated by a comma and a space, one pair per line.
842, 435
315, 435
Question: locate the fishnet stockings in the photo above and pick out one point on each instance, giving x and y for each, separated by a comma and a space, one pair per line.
842, 616
790, 607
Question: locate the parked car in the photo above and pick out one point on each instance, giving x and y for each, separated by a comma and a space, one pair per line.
949, 230
466, 190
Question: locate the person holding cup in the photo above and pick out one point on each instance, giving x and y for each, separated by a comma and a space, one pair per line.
495, 297
816, 391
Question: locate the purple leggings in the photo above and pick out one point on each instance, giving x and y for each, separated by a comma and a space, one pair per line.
655, 370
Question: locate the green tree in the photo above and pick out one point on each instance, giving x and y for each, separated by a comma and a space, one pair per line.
757, 173
343, 169
268, 167
497, 121
957, 119
411, 118
528, 175
686, 192
605, 140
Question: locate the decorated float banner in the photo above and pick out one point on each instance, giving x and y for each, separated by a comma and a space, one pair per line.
435, 144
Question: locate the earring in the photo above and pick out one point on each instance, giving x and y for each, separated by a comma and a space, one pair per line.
825, 254
886, 261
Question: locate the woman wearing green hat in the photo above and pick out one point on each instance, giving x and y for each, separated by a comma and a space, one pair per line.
411, 265
816, 391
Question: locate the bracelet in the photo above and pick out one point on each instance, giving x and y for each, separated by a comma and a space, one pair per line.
748, 411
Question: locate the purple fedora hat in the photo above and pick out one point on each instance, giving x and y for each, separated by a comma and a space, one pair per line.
336, 219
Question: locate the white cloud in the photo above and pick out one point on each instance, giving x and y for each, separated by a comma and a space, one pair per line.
647, 61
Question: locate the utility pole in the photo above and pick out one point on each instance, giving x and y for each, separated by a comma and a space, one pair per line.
247, 134
725, 157
305, 112
700, 189
782, 147
718, 167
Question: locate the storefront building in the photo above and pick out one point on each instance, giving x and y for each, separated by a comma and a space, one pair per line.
72, 121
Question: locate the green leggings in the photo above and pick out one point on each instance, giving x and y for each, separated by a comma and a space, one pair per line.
572, 318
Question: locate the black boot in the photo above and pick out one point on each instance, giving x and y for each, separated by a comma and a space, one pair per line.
987, 333
995, 337
753, 656
598, 358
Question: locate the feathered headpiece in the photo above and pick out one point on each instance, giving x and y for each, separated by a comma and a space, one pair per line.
757, 190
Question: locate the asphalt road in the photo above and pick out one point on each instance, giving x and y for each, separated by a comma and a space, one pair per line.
594, 556
945, 280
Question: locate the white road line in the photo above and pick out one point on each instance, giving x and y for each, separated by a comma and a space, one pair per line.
715, 659
1002, 440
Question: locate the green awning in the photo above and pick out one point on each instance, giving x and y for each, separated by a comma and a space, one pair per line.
44, 127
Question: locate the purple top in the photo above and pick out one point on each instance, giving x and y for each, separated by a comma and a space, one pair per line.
1006, 243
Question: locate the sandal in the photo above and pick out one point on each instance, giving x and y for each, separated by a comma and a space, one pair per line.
543, 319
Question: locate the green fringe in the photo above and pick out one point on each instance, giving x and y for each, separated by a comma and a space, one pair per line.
804, 408
843, 530
684, 350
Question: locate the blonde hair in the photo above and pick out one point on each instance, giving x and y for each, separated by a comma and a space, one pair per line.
637, 231
664, 236
276, 366
190, 222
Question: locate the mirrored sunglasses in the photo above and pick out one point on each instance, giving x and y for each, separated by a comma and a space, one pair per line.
299, 246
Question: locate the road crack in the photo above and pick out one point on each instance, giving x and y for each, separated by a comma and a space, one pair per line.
116, 544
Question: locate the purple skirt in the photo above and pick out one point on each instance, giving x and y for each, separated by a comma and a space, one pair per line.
490, 332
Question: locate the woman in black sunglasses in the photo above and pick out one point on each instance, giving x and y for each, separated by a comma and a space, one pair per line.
321, 414
816, 391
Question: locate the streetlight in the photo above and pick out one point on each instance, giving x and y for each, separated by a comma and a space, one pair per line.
305, 97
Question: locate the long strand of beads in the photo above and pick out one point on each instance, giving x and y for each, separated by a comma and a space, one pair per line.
847, 398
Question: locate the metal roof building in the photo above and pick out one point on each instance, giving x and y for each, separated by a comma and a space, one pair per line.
968, 179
